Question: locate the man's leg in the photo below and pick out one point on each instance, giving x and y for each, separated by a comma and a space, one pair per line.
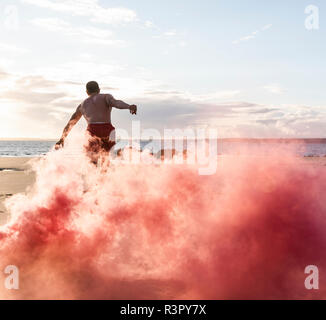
106, 146
93, 149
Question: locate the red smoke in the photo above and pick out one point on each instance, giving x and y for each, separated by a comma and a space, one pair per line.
163, 231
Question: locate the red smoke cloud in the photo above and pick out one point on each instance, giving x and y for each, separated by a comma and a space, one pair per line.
163, 231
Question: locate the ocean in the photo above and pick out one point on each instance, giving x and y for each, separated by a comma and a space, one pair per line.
301, 147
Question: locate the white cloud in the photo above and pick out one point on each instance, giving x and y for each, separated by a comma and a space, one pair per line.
51, 98
246, 38
209, 98
274, 88
51, 24
88, 8
9, 48
215, 96
170, 33
85, 34
149, 24
253, 35
50, 102
268, 26
130, 81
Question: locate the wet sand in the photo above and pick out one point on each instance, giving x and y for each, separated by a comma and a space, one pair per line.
15, 177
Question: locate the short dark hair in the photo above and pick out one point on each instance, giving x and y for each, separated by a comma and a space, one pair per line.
92, 87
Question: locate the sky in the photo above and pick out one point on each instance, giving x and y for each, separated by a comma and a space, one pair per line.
249, 68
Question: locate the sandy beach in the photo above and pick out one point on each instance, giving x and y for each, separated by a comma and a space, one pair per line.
15, 177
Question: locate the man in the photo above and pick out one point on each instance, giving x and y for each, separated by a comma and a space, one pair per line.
96, 109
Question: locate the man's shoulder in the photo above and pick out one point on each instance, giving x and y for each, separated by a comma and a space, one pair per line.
82, 103
106, 95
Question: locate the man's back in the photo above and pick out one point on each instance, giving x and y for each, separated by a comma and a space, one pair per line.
97, 109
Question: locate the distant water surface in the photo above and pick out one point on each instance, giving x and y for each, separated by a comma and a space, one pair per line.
303, 147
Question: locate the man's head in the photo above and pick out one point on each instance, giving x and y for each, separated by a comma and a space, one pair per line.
92, 87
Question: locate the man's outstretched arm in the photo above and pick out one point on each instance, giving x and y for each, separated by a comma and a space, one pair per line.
73, 120
120, 104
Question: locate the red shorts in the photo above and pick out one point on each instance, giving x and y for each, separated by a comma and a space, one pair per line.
100, 137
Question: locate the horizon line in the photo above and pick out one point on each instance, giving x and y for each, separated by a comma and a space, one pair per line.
175, 138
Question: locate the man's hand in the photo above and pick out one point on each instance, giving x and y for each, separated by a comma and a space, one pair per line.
59, 144
133, 109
